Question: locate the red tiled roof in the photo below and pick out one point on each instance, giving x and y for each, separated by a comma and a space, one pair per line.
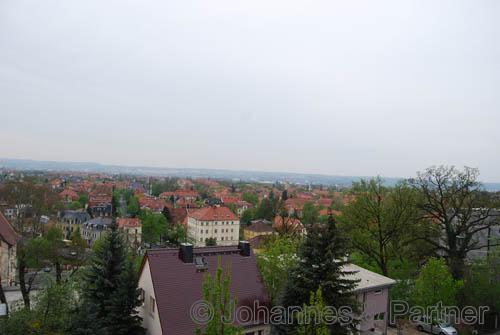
152, 203
213, 214
128, 222
230, 200
306, 196
178, 285
186, 193
295, 203
100, 199
324, 202
7, 232
69, 193
183, 202
178, 214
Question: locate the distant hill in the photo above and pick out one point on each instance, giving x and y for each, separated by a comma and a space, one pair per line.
256, 176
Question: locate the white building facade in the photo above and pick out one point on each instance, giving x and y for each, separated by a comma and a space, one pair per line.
217, 223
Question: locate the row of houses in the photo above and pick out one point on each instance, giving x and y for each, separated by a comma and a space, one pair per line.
91, 229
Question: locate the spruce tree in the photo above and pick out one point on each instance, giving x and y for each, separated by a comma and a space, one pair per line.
109, 294
321, 267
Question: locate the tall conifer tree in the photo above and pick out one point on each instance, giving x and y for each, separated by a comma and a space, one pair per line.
110, 295
323, 257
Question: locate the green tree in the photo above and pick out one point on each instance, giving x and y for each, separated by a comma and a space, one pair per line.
210, 242
75, 205
51, 314
275, 261
284, 195
176, 234
450, 203
216, 293
109, 293
265, 210
381, 221
77, 248
251, 197
154, 226
247, 216
482, 282
434, 285
55, 249
322, 265
233, 208
310, 213
32, 255
133, 207
36, 200
78, 243
83, 200
311, 320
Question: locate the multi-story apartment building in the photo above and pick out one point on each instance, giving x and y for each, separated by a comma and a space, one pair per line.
132, 231
217, 223
72, 220
95, 228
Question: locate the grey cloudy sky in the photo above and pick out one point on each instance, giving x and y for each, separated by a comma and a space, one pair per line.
334, 87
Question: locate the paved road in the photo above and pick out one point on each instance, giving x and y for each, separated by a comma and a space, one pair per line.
14, 297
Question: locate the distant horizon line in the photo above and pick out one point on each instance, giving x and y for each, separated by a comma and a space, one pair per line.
125, 166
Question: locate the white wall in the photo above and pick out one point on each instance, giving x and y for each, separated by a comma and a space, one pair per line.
150, 321
230, 237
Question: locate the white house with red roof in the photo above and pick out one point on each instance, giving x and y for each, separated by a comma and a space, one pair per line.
217, 223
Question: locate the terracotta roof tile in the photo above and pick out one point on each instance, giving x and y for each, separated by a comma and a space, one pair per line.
128, 222
213, 214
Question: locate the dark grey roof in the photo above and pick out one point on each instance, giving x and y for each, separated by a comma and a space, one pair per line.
99, 223
76, 214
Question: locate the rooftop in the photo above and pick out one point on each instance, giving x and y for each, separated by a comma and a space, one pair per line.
178, 285
368, 280
213, 213
7, 232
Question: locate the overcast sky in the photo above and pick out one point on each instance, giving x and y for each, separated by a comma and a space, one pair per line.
334, 87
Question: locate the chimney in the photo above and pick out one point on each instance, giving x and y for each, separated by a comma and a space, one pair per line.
186, 252
244, 247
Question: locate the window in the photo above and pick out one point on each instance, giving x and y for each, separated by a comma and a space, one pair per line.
377, 292
231, 230
201, 231
151, 305
143, 297
206, 231
215, 231
201, 239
